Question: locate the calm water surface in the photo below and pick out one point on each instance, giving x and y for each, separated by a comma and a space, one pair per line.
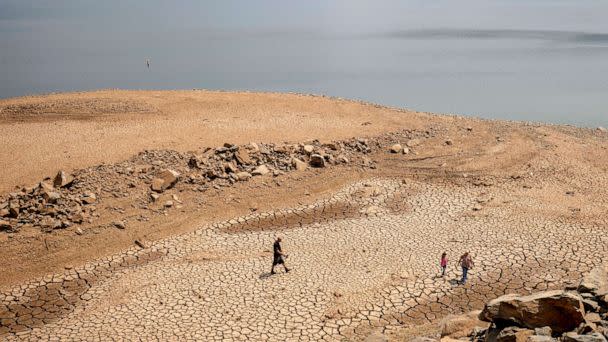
552, 75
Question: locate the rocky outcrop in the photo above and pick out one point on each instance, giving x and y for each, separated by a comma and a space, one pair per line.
578, 313
72, 198
595, 282
459, 326
560, 310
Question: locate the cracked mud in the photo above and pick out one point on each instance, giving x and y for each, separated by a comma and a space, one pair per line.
363, 259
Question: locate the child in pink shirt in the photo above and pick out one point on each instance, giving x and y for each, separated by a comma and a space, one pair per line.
443, 263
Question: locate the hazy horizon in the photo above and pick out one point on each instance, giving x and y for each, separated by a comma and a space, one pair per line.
536, 60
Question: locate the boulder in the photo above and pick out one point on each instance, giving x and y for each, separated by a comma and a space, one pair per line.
243, 176
405, 150
230, 168
89, 197
602, 129
164, 180
574, 337
51, 196
332, 146
119, 224
62, 179
260, 171
48, 192
282, 148
396, 148
5, 225
540, 338
195, 163
595, 282
308, 149
298, 164
544, 331
253, 147
459, 326
14, 209
48, 223
317, 160
514, 334
342, 159
77, 217
242, 156
560, 310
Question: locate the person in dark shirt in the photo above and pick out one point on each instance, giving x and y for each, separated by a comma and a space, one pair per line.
278, 256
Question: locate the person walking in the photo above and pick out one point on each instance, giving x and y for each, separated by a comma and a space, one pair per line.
278, 257
443, 263
466, 262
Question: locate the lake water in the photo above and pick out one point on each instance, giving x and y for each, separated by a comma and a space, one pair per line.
537, 75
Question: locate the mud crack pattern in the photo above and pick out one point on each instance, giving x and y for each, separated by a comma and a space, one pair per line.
364, 259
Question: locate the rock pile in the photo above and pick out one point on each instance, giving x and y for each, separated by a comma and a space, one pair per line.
577, 314
69, 199
49, 205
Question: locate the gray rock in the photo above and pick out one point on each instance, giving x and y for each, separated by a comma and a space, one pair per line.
342, 159
316, 160
459, 326
243, 176
119, 224
89, 197
230, 168
242, 156
62, 179
540, 338
260, 171
574, 337
164, 180
298, 164
544, 331
595, 282
308, 149
396, 148
5, 225
514, 334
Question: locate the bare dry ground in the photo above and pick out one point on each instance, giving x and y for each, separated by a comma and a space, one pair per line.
42, 134
552, 180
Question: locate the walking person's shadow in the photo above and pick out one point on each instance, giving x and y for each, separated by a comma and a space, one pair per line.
265, 275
